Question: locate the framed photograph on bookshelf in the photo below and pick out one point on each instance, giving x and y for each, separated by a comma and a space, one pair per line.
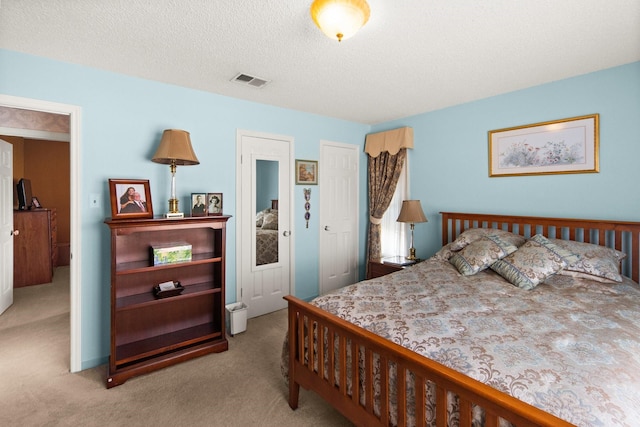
214, 204
198, 204
130, 198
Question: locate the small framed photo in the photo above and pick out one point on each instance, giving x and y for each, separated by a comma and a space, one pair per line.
198, 204
214, 203
307, 172
35, 203
130, 198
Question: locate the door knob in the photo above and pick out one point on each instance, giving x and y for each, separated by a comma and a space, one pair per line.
326, 228
15, 232
286, 233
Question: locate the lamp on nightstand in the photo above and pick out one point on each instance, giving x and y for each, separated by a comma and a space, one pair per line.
411, 212
175, 149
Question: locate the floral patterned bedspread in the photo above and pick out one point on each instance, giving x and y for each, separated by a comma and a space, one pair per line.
570, 346
266, 246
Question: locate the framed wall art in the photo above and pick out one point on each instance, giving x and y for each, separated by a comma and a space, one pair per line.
307, 172
198, 204
555, 147
214, 204
130, 198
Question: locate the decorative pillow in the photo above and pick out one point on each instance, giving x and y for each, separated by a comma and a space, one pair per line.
260, 218
474, 234
533, 262
595, 260
577, 274
270, 221
480, 254
444, 253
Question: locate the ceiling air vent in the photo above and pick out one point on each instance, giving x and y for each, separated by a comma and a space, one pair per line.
246, 79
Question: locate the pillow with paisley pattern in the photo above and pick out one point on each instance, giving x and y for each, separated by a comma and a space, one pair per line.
480, 254
270, 221
474, 234
444, 253
260, 218
533, 262
596, 262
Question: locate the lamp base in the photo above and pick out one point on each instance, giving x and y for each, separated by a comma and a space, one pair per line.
173, 206
174, 215
412, 254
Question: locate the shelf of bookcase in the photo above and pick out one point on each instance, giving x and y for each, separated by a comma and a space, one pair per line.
145, 266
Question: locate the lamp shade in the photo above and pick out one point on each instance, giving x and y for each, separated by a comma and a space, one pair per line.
340, 19
175, 148
411, 211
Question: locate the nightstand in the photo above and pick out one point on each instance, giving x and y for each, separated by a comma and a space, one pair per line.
381, 267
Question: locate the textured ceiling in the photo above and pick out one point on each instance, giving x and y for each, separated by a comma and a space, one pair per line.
413, 56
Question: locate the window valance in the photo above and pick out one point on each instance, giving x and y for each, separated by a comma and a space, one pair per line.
390, 140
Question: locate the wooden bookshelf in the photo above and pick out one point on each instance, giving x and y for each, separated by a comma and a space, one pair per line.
150, 333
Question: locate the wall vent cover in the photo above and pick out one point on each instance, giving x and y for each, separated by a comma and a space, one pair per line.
246, 79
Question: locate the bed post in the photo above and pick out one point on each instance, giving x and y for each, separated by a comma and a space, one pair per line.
445, 228
294, 387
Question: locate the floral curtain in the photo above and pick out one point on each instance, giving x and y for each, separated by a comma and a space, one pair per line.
387, 152
384, 172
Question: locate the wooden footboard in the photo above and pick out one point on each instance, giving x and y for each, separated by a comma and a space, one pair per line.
310, 370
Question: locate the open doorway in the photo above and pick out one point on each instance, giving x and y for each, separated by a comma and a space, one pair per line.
72, 114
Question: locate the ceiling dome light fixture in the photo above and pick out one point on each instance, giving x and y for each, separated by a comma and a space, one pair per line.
340, 19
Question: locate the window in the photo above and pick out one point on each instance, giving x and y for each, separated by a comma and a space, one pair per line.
393, 234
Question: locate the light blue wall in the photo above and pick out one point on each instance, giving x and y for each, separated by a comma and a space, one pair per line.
123, 118
449, 164
122, 121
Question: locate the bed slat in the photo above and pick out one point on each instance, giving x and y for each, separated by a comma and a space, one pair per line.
401, 392
421, 415
384, 391
465, 413
368, 374
441, 406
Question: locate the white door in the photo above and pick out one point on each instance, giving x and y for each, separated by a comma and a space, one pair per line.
6, 225
263, 254
338, 181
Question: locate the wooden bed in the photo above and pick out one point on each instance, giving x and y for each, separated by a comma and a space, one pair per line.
312, 374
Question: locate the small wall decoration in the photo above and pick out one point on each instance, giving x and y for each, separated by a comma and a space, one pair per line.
198, 204
214, 204
556, 147
307, 205
307, 172
130, 198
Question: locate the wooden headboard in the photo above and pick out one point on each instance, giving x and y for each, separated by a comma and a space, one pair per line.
623, 236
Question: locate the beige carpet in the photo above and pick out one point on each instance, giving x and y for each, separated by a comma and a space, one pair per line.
240, 387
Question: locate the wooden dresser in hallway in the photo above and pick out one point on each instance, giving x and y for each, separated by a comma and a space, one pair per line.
34, 247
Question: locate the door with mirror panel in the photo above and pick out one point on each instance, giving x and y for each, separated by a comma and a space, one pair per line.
264, 229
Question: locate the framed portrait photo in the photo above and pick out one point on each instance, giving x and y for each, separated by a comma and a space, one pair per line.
198, 204
214, 204
130, 198
307, 172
